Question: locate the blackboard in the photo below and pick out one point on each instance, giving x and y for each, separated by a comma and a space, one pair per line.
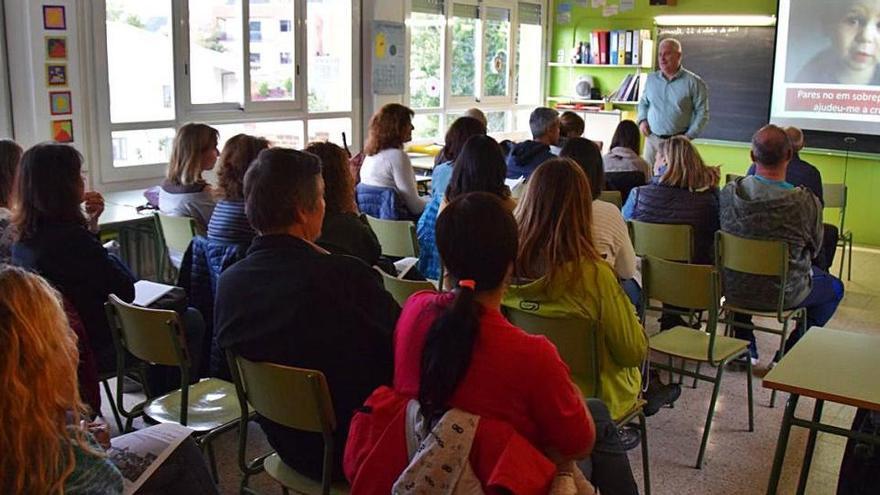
737, 65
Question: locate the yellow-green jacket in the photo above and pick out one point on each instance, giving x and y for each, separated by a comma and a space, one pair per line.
592, 292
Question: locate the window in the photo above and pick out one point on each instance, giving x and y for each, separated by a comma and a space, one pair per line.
256, 31
482, 46
329, 60
221, 68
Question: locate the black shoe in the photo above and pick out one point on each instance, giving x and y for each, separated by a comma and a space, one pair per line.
629, 436
659, 395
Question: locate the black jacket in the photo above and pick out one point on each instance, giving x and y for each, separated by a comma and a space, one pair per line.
349, 233
287, 303
658, 203
525, 157
73, 260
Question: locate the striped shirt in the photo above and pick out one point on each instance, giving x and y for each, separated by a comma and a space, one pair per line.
229, 224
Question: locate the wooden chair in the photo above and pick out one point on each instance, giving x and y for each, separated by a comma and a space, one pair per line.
757, 257
576, 341
156, 336
397, 237
835, 196
693, 286
305, 405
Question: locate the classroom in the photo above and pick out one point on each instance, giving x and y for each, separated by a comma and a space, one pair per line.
440, 246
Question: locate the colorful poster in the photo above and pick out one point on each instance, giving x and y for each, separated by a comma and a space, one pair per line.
56, 74
388, 57
59, 103
56, 47
54, 17
62, 131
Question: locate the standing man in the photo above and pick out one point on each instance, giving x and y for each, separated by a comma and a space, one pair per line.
675, 101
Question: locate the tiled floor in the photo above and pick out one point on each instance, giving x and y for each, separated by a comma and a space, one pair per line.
737, 462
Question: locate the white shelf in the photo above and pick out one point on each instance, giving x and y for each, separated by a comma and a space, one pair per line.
579, 99
607, 66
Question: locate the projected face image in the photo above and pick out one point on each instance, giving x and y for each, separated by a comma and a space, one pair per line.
857, 36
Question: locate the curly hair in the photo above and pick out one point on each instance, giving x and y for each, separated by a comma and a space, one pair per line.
387, 127
338, 183
38, 376
237, 155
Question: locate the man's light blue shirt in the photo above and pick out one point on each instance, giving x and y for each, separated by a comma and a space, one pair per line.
675, 106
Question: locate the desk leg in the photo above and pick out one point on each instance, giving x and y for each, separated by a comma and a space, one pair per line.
811, 445
781, 444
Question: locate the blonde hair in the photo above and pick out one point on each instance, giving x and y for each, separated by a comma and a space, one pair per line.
685, 167
38, 377
555, 219
192, 140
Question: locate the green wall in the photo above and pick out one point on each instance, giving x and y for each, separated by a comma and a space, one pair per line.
862, 170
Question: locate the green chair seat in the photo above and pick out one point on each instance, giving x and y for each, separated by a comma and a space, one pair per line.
785, 314
212, 403
291, 478
693, 345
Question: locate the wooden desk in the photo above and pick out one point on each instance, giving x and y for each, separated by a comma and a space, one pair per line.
826, 365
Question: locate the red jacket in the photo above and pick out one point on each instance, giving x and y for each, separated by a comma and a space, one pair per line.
376, 453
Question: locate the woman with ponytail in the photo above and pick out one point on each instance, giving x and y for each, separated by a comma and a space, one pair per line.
456, 349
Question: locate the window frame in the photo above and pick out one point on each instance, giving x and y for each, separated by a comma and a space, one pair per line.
214, 113
488, 104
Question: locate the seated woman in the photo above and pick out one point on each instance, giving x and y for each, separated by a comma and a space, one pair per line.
686, 193
59, 242
228, 223
184, 192
10, 156
456, 350
386, 164
480, 167
610, 235
51, 449
624, 154
344, 230
560, 273
459, 132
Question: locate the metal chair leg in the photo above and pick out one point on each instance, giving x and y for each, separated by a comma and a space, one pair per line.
112, 402
694, 386
709, 416
646, 465
849, 260
749, 393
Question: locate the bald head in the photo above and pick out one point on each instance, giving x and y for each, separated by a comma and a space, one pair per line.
796, 136
771, 148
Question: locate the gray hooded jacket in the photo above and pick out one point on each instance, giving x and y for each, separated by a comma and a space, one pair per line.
754, 209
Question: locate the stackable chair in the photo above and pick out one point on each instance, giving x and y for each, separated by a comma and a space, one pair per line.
174, 233
835, 196
397, 237
576, 341
305, 405
613, 197
156, 336
401, 289
757, 257
693, 286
